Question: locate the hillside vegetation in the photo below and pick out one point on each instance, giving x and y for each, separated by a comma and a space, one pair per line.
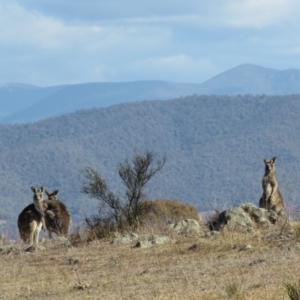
214, 146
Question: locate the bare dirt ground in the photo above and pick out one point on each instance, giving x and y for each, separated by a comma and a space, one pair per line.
229, 265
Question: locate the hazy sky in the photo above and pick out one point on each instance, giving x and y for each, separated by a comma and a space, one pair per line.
50, 42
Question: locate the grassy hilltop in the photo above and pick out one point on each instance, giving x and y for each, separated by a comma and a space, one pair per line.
229, 265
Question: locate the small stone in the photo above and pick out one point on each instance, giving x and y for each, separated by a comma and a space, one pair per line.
248, 247
143, 244
71, 261
81, 286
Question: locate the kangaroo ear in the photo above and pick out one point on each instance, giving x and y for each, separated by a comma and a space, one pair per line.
33, 189
56, 192
42, 188
265, 160
274, 159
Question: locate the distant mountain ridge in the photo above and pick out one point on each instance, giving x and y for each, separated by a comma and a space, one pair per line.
22, 103
84, 96
16, 97
255, 80
9, 85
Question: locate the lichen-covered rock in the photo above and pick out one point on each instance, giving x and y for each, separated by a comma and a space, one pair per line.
158, 240
237, 219
188, 226
126, 239
153, 240
244, 217
7, 249
212, 233
58, 241
143, 244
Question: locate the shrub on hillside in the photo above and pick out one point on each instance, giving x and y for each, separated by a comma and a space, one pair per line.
135, 174
154, 214
99, 228
94, 228
163, 211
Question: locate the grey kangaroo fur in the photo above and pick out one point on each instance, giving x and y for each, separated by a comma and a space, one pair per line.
271, 198
30, 220
56, 217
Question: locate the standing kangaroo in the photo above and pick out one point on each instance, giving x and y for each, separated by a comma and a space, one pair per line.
271, 197
57, 217
30, 220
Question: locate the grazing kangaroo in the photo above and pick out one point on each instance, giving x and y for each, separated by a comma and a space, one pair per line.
271, 198
30, 220
57, 216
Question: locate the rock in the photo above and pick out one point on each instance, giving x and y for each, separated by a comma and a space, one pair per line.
244, 217
158, 240
126, 239
187, 227
81, 286
248, 247
7, 249
133, 235
143, 244
71, 261
63, 241
58, 241
234, 219
154, 240
212, 233
248, 207
194, 248
30, 249
258, 261
121, 240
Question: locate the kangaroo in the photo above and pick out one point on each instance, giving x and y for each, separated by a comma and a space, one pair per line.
271, 198
57, 216
30, 220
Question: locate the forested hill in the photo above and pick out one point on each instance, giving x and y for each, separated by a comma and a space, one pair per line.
214, 145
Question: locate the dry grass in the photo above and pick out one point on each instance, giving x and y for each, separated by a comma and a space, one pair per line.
226, 266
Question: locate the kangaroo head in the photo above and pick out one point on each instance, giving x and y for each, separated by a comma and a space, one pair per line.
270, 165
38, 193
53, 195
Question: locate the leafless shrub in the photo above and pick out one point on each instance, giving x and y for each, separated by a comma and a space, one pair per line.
77, 237
99, 228
212, 221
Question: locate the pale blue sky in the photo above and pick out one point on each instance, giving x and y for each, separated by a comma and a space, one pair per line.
50, 42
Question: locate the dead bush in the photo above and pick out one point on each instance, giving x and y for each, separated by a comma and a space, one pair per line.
212, 221
77, 237
99, 228
167, 211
